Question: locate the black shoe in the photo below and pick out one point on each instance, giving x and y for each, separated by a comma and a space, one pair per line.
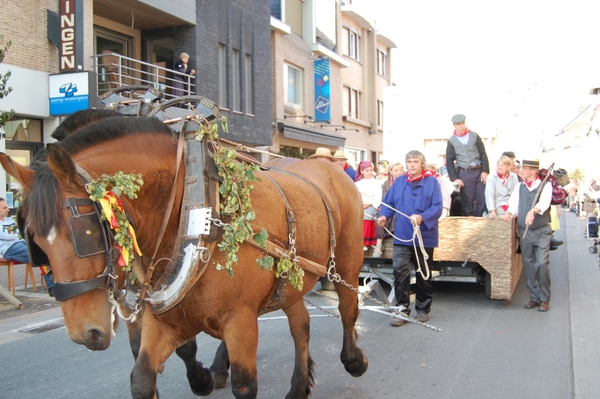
50, 292
552, 248
555, 243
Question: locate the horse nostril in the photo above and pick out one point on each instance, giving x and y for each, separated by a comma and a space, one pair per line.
94, 338
94, 334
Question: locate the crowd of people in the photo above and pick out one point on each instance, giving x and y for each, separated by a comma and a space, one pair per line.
463, 185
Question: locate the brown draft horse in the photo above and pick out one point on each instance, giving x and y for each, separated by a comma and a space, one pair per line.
224, 307
187, 352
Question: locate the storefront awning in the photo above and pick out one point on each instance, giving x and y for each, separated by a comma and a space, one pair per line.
311, 135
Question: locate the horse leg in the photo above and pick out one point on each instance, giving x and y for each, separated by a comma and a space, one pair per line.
241, 335
200, 378
355, 362
155, 348
134, 332
303, 377
220, 366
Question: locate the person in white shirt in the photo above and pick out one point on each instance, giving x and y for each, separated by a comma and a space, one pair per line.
533, 220
500, 186
370, 190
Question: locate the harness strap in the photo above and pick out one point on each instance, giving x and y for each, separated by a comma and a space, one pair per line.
63, 291
332, 242
290, 214
165, 221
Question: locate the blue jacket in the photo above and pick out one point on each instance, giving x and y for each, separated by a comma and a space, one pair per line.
425, 200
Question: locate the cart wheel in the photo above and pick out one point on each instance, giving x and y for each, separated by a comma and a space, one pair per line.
326, 284
488, 286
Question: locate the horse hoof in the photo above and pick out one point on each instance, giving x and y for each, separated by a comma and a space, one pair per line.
220, 381
204, 387
357, 371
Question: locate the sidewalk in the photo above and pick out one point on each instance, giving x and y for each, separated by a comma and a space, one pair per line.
584, 296
38, 307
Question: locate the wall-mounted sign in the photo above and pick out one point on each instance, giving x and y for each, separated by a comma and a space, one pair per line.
322, 90
69, 92
71, 35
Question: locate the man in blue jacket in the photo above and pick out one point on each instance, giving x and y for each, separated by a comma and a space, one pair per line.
418, 196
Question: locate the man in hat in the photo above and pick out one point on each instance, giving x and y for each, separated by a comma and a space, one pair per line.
341, 159
468, 166
323, 154
530, 203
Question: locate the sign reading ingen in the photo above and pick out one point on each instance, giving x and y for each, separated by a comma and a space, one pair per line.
71, 35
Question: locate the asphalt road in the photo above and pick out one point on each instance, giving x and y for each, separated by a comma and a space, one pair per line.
486, 349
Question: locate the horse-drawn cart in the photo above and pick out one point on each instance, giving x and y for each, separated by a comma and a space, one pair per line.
471, 249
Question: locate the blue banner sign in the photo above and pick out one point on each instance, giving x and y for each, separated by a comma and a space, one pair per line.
322, 90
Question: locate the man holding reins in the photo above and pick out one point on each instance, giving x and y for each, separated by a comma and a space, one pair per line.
418, 196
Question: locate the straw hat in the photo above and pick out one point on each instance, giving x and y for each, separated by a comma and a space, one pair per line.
532, 163
322, 152
339, 154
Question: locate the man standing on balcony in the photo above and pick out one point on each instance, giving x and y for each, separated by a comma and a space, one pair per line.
468, 166
179, 81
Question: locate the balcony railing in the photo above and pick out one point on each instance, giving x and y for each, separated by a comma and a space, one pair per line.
115, 70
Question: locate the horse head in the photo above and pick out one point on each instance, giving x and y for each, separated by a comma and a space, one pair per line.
89, 318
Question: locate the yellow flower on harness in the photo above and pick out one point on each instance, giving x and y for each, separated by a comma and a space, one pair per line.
114, 212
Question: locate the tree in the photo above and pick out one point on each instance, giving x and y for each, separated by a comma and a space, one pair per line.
576, 174
4, 90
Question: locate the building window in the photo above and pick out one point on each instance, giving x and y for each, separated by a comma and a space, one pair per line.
235, 67
351, 43
381, 62
292, 85
222, 76
23, 129
276, 6
248, 84
351, 102
379, 113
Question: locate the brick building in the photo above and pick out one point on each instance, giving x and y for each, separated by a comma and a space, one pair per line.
137, 42
304, 33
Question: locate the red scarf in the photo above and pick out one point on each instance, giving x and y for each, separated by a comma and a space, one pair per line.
460, 135
529, 183
425, 173
504, 178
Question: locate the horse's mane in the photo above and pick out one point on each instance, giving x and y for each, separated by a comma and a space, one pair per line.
42, 206
112, 128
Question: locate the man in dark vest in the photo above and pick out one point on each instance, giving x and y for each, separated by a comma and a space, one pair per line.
530, 204
468, 166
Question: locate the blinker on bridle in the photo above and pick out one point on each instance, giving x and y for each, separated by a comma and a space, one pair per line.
90, 236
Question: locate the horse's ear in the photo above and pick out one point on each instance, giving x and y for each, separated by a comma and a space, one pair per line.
22, 173
62, 166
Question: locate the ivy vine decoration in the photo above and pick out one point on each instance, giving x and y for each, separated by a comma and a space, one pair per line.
106, 191
236, 207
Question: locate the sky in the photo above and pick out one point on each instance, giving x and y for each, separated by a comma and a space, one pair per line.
521, 67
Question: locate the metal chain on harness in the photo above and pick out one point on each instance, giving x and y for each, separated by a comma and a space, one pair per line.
336, 278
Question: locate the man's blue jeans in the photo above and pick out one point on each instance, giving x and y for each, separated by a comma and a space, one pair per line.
17, 252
